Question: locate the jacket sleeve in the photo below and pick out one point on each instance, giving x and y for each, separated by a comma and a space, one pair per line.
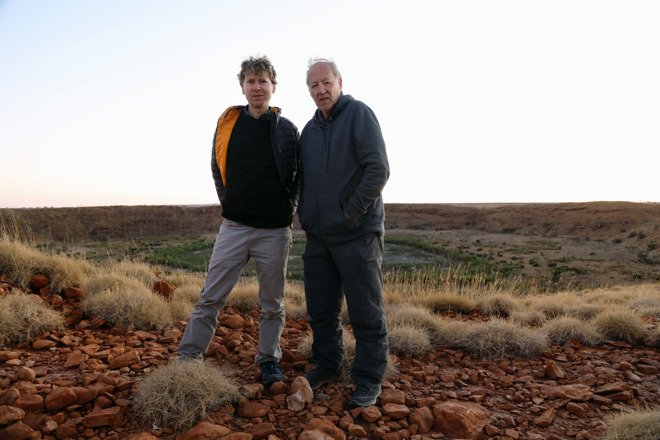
297, 181
215, 172
372, 157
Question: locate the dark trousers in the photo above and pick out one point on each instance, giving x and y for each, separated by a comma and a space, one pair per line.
352, 270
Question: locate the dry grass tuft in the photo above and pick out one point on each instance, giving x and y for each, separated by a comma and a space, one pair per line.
562, 330
22, 317
653, 338
20, 262
620, 325
447, 302
500, 305
499, 339
244, 297
181, 394
635, 425
408, 341
131, 305
528, 317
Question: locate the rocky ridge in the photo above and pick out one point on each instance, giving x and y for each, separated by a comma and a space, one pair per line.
77, 383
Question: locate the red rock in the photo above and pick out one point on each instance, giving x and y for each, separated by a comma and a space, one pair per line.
204, 431
423, 418
17, 431
570, 392
59, 398
9, 396
38, 281
356, 430
25, 373
371, 413
6, 355
390, 395
75, 359
142, 436
10, 414
250, 409
252, 390
395, 411
553, 371
74, 293
231, 321
457, 419
41, 344
164, 289
66, 430
325, 427
262, 430
578, 409
127, 359
647, 369
546, 419
30, 402
104, 417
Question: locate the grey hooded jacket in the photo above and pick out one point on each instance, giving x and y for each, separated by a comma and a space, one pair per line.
344, 171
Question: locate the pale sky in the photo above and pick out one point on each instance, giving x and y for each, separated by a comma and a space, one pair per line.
114, 102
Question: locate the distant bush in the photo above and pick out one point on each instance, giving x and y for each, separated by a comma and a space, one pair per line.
22, 317
179, 395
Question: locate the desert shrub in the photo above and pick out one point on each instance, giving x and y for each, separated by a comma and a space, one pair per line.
498, 339
555, 305
181, 394
20, 262
413, 316
407, 341
650, 311
450, 333
585, 311
187, 293
180, 310
182, 278
22, 317
561, 330
134, 270
634, 425
620, 325
528, 317
500, 305
132, 306
447, 302
305, 350
244, 297
653, 338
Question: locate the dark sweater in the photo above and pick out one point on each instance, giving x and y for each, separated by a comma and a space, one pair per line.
254, 195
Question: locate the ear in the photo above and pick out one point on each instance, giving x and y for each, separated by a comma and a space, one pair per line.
274, 88
340, 84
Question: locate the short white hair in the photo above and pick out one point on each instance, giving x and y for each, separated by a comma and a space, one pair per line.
314, 61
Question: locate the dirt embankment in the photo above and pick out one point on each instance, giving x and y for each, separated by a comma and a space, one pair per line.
593, 220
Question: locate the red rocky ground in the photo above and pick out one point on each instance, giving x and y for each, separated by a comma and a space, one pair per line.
77, 383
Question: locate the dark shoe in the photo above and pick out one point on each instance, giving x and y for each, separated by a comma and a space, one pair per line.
317, 377
192, 357
270, 372
365, 395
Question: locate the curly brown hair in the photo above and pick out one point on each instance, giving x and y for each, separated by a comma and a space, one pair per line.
257, 65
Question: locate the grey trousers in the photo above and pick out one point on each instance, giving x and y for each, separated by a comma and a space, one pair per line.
234, 245
353, 270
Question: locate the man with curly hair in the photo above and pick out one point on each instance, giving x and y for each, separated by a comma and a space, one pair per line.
254, 163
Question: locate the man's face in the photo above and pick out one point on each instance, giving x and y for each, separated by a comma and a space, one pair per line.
258, 90
324, 87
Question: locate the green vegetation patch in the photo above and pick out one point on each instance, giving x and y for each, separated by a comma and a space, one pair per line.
194, 256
